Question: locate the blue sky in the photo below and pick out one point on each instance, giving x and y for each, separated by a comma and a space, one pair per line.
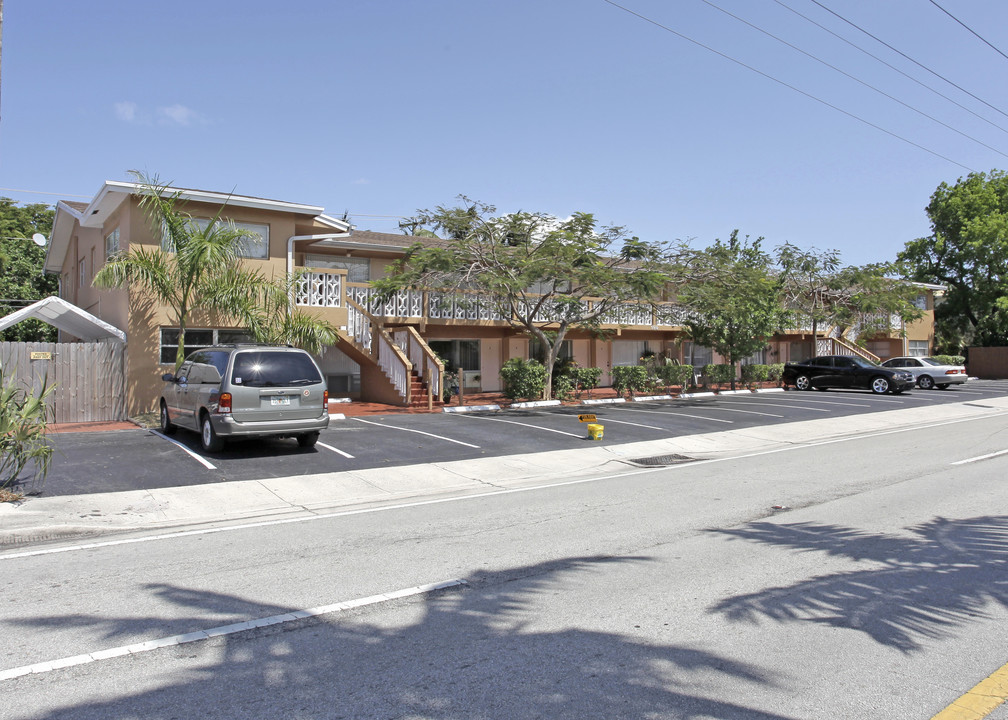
380, 108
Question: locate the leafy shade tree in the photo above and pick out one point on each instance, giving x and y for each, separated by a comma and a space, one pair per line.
733, 305
22, 279
968, 252
816, 288
198, 268
545, 276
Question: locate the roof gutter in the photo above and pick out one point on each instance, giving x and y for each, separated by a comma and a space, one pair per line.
298, 238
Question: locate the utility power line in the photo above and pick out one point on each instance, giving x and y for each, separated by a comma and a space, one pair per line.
855, 79
902, 54
787, 85
969, 28
908, 76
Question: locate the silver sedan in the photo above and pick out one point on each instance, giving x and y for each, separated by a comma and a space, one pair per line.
928, 372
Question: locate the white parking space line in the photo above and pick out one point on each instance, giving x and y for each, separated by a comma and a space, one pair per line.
747, 412
978, 458
769, 404
231, 629
676, 413
831, 402
627, 422
418, 432
198, 458
335, 450
515, 422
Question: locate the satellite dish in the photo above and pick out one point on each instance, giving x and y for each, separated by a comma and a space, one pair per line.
39, 239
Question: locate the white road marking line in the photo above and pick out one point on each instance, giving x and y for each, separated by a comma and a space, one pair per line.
479, 496
751, 402
335, 450
831, 402
418, 432
515, 422
199, 458
978, 458
748, 412
223, 630
627, 422
676, 413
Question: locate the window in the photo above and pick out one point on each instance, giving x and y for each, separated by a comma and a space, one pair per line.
918, 348
629, 352
697, 355
197, 339
256, 246
458, 354
112, 244
358, 269
920, 302
81, 272
537, 351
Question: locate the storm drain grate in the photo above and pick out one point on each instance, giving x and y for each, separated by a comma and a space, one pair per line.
660, 460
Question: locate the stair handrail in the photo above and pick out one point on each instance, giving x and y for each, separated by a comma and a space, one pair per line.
369, 334
839, 346
431, 369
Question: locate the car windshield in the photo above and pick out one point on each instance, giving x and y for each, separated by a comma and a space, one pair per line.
274, 369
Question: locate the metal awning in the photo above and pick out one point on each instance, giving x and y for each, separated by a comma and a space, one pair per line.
66, 317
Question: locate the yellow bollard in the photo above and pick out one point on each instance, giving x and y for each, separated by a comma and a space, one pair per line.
595, 431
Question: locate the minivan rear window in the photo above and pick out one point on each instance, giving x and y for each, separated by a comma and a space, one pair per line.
273, 369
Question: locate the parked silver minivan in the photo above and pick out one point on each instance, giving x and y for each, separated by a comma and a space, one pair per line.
246, 390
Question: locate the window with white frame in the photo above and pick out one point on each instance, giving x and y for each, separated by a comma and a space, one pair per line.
256, 245
197, 339
629, 352
81, 272
112, 244
920, 302
917, 348
358, 268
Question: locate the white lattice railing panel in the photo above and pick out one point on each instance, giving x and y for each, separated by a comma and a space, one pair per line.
392, 365
317, 289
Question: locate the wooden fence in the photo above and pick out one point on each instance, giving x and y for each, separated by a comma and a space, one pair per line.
89, 378
987, 362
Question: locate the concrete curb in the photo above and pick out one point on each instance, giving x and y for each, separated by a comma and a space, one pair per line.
536, 403
604, 401
469, 408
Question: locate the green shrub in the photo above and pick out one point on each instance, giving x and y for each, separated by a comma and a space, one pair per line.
523, 379
668, 375
775, 371
719, 374
629, 379
754, 374
950, 359
585, 379
24, 420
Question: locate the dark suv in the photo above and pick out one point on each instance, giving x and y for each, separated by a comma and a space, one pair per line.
246, 390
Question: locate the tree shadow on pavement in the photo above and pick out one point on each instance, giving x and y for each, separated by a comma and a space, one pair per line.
482, 651
920, 586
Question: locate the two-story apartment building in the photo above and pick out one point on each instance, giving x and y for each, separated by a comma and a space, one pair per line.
386, 349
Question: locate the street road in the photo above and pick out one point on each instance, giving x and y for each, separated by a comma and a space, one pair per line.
864, 578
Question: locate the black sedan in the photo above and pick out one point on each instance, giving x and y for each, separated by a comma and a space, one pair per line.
845, 371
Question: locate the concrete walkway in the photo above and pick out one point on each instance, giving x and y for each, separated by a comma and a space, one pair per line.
44, 518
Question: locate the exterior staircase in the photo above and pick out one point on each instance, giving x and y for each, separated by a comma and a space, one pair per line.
397, 365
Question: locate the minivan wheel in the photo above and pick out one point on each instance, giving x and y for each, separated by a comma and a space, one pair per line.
307, 440
208, 436
924, 382
880, 386
167, 426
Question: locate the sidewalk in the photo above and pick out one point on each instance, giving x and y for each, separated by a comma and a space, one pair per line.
79, 516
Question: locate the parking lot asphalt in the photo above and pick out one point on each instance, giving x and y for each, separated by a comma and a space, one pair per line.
140, 459
139, 478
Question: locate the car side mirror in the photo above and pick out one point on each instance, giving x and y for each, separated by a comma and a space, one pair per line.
168, 377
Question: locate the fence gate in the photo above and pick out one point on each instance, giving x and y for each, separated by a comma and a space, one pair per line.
89, 378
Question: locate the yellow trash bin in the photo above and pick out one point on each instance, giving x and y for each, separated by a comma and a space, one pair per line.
595, 431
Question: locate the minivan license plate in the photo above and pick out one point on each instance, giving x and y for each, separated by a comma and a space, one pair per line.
280, 400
